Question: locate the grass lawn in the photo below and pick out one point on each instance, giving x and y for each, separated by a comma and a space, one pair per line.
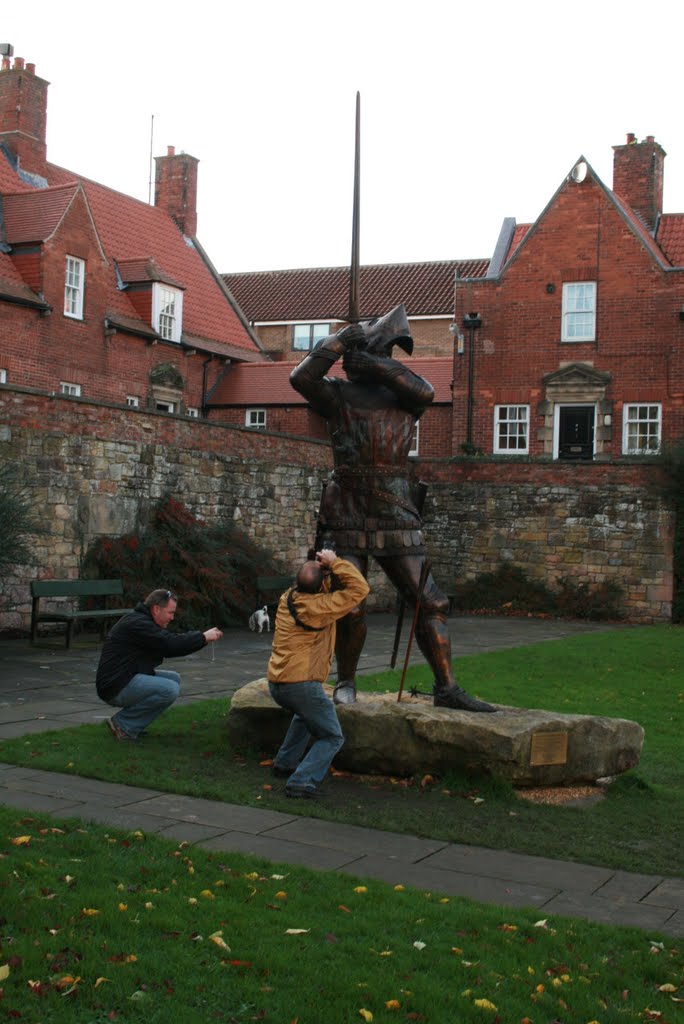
99, 926
637, 827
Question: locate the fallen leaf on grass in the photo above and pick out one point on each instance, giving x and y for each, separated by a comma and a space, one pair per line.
418, 944
101, 981
484, 1004
344, 909
89, 912
366, 1014
4, 971
667, 988
392, 1004
297, 931
20, 840
361, 889
217, 938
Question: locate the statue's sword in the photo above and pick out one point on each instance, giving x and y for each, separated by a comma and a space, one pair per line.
354, 268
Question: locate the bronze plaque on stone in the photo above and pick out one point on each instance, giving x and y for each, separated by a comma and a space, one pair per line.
549, 748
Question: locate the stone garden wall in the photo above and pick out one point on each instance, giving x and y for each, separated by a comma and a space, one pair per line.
96, 469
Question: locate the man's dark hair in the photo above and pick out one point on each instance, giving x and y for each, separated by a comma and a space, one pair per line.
310, 578
159, 597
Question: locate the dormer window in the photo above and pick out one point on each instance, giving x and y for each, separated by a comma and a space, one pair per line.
167, 311
74, 281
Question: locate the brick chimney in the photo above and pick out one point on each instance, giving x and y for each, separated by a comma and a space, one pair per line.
23, 114
638, 176
176, 188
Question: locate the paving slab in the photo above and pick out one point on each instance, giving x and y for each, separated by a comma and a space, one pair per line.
451, 883
188, 832
626, 886
39, 803
115, 817
669, 893
252, 820
593, 908
560, 874
356, 840
278, 851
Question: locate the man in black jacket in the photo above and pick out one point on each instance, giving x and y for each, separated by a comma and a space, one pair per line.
128, 677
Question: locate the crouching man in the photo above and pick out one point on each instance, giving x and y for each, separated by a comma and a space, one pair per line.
303, 647
128, 676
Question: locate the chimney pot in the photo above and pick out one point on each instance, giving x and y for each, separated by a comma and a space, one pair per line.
170, 150
5, 63
650, 138
31, 68
18, 63
631, 137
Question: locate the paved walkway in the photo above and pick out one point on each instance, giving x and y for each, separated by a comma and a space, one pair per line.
47, 687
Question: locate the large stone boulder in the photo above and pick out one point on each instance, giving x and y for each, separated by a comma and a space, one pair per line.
528, 746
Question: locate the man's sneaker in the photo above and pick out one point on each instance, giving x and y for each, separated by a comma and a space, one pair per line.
302, 793
117, 732
281, 773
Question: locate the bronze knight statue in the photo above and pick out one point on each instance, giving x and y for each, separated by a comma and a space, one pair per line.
367, 507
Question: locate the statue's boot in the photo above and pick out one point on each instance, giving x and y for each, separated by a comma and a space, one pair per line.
432, 635
351, 636
456, 697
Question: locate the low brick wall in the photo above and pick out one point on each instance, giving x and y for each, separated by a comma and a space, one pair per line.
95, 468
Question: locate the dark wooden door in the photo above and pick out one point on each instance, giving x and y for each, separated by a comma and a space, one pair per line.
576, 432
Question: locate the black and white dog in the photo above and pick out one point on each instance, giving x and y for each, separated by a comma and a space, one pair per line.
259, 619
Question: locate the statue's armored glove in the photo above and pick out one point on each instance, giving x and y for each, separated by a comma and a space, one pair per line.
352, 337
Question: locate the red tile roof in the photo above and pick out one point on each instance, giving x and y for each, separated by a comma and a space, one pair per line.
671, 237
130, 230
134, 235
34, 216
269, 383
322, 293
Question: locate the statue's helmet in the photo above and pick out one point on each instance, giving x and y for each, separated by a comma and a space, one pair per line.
385, 331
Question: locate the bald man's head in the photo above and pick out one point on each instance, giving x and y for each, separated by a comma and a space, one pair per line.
310, 578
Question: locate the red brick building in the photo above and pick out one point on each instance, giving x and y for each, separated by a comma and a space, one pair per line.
103, 296
572, 345
260, 396
291, 310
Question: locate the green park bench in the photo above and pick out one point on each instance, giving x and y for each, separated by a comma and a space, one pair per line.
269, 589
100, 589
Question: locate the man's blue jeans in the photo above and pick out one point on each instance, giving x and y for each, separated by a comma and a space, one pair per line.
314, 719
143, 699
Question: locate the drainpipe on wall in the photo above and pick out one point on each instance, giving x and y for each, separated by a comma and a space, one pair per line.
472, 322
205, 366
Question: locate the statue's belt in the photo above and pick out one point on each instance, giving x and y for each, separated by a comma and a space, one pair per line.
368, 490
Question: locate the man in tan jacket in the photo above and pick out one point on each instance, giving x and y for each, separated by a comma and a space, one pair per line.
303, 648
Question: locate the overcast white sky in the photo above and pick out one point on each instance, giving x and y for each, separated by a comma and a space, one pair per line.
470, 112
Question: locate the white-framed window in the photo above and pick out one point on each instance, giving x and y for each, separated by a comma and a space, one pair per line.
256, 419
74, 282
67, 388
3, 376
167, 311
133, 401
579, 311
414, 450
511, 429
641, 428
163, 406
306, 336
192, 411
